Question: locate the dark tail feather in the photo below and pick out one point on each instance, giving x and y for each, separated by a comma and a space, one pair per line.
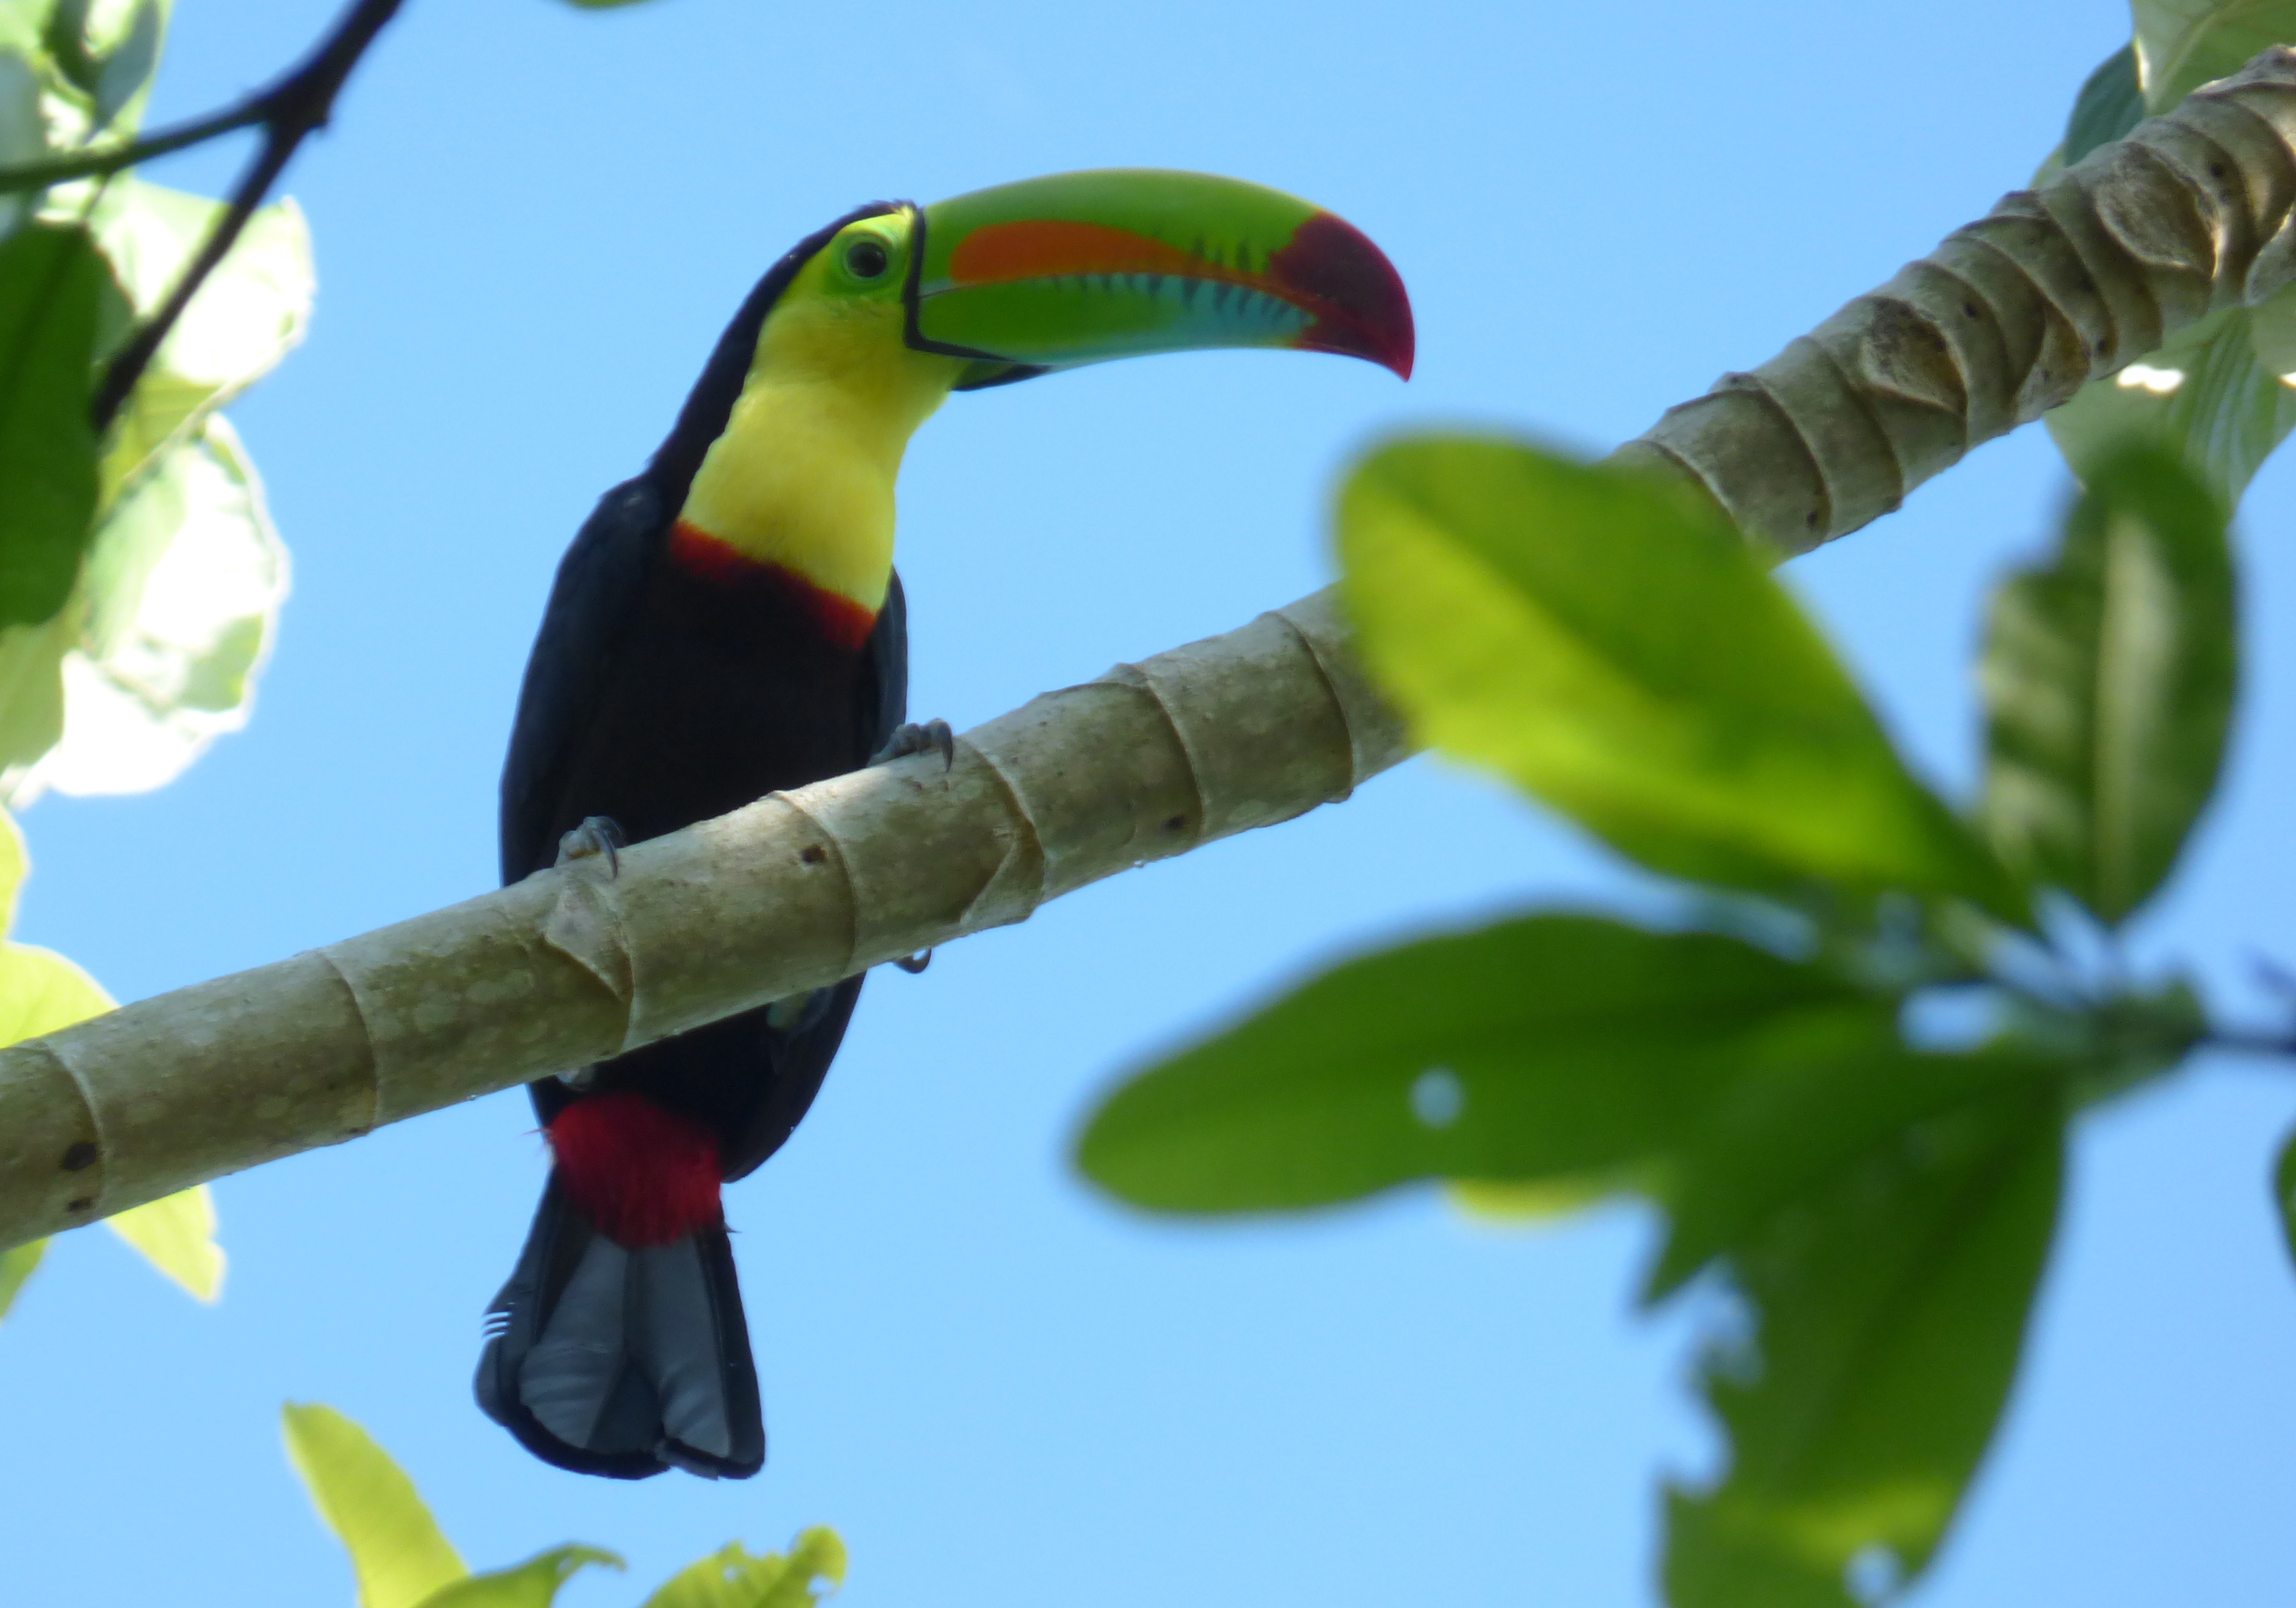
623, 1362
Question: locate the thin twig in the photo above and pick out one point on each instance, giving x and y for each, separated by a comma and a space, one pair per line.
298, 104
86, 164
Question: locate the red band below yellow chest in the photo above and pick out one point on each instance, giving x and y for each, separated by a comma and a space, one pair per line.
841, 622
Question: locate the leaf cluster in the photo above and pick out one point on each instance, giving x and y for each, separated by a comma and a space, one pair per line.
403, 1560
1878, 1205
140, 576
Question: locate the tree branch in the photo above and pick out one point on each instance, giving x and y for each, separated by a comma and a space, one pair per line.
2006, 320
290, 110
791, 893
2192, 212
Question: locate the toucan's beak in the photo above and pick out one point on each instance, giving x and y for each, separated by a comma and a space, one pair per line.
1080, 267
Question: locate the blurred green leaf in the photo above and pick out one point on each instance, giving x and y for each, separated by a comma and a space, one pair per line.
2182, 44
2214, 396
23, 133
1889, 1308
397, 1550
1566, 1050
176, 1235
2283, 1191
2109, 676
533, 1584
183, 590
51, 283
32, 686
735, 1578
2109, 105
24, 25
1614, 647
16, 1265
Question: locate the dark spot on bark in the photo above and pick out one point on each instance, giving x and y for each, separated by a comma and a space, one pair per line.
2100, 348
2215, 169
1810, 520
1969, 309
1177, 824
814, 854
81, 1204
79, 1155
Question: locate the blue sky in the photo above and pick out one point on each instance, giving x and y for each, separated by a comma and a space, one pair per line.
530, 223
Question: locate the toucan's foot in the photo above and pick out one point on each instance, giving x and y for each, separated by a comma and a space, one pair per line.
913, 963
598, 834
933, 737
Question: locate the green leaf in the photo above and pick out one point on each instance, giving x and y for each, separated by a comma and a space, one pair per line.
735, 1578
176, 1233
533, 1584
2109, 676
2182, 44
397, 1550
51, 283
2214, 396
2109, 105
1889, 1310
16, 1265
1571, 1051
183, 590
1612, 645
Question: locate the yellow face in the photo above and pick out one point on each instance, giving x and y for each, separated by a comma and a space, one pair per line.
803, 476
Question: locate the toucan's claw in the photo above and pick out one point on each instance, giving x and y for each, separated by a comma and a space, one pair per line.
596, 835
931, 737
913, 963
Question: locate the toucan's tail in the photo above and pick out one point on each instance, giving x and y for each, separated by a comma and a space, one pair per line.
612, 1361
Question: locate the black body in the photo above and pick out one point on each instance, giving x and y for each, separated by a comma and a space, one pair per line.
659, 697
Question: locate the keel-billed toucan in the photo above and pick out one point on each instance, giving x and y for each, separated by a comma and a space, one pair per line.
728, 623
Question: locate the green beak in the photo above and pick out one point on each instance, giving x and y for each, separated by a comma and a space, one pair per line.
1080, 267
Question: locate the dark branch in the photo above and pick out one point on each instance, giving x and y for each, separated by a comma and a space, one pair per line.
287, 112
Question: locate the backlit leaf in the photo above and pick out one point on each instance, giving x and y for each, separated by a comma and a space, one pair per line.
182, 592
813, 1569
248, 314
17, 1264
533, 1584
1613, 647
176, 1235
1572, 1052
2283, 1191
397, 1550
2110, 673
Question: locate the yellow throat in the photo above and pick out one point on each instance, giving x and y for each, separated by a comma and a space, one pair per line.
803, 475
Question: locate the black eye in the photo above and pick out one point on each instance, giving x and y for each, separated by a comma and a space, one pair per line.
866, 259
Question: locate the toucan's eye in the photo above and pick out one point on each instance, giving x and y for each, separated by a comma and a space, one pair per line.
867, 259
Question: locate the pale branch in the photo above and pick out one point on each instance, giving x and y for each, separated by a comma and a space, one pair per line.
791, 893
2008, 318
2193, 212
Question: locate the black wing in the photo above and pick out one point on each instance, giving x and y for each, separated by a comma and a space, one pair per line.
594, 602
